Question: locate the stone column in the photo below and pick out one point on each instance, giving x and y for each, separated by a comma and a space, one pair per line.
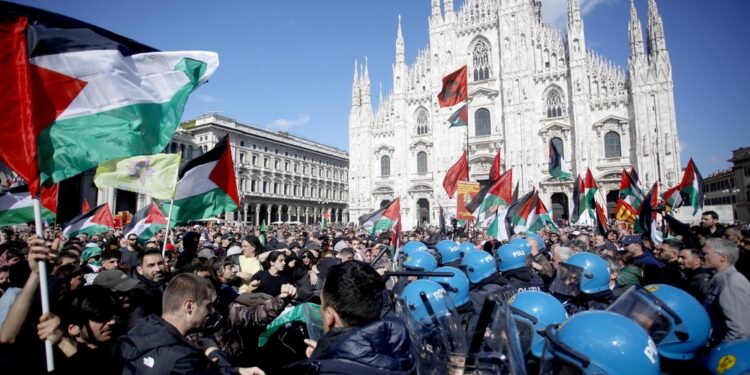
268, 212
244, 217
257, 214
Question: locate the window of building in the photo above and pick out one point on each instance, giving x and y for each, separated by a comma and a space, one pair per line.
276, 164
481, 60
242, 185
612, 145
190, 152
423, 123
421, 162
173, 148
296, 168
265, 162
746, 170
482, 122
385, 166
276, 188
242, 158
265, 186
558, 143
286, 189
286, 166
242, 143
253, 186
255, 160
554, 103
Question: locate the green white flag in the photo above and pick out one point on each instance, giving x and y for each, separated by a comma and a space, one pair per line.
152, 175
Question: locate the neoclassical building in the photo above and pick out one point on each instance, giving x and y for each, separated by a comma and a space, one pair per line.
529, 85
280, 177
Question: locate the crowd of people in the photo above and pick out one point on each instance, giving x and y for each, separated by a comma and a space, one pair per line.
220, 300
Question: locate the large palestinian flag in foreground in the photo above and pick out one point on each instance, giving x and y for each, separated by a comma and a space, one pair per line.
146, 223
98, 220
16, 206
630, 198
383, 219
76, 95
206, 186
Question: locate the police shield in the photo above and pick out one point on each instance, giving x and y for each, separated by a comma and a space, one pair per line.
495, 343
434, 328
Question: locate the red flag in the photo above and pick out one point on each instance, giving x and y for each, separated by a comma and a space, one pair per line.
396, 230
458, 172
495, 170
454, 88
85, 206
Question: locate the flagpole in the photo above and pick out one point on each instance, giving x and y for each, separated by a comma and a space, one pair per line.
166, 235
43, 282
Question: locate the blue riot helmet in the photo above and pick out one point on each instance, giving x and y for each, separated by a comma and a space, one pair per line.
420, 261
466, 247
448, 251
582, 273
534, 311
412, 246
479, 265
510, 257
426, 301
456, 285
673, 318
729, 358
598, 342
521, 242
538, 238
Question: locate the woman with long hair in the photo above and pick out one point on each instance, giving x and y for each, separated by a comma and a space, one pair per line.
272, 277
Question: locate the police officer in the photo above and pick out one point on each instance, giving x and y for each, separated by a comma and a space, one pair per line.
457, 287
484, 278
512, 262
582, 283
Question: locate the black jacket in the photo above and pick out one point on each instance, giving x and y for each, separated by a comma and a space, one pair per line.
381, 347
698, 281
154, 346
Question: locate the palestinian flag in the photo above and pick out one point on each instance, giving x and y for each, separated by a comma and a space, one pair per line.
689, 190
587, 190
498, 195
558, 168
460, 117
17, 207
454, 89
575, 200
76, 95
647, 222
146, 223
503, 225
630, 198
85, 206
206, 186
98, 220
542, 218
384, 219
495, 169
635, 179
326, 219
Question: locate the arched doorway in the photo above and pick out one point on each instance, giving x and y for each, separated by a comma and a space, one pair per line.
423, 212
560, 206
612, 197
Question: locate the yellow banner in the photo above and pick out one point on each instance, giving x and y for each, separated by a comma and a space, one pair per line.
152, 175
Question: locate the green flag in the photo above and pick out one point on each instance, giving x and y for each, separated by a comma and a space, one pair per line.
152, 175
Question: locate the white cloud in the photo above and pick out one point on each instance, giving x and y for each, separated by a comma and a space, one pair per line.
555, 12
207, 98
286, 124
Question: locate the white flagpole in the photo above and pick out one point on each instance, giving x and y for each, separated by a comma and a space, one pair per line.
166, 235
43, 282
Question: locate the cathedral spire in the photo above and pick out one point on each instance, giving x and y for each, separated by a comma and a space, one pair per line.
574, 14
576, 39
635, 34
355, 86
399, 44
365, 86
448, 10
380, 93
436, 8
656, 42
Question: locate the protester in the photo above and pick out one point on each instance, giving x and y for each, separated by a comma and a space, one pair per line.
728, 297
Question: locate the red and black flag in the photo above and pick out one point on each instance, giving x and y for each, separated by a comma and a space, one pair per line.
454, 89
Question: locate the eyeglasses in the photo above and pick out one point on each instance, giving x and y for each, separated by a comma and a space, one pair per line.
132, 239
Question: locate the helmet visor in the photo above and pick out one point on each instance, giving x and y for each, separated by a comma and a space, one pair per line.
639, 308
525, 334
567, 280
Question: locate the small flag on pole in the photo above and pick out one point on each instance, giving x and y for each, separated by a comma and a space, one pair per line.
454, 89
460, 117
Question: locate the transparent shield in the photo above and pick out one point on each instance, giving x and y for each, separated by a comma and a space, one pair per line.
501, 351
567, 280
439, 344
638, 308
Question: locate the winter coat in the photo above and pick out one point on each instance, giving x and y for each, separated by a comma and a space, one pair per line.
698, 281
381, 347
154, 346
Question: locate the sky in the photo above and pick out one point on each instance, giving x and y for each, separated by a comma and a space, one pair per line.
288, 64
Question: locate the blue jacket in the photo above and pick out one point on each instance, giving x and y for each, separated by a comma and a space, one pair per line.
154, 346
381, 347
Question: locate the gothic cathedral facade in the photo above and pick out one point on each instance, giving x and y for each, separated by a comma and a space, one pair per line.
529, 85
